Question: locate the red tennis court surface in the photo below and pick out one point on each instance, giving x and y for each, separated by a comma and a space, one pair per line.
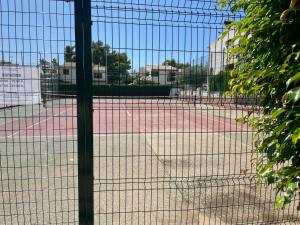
123, 116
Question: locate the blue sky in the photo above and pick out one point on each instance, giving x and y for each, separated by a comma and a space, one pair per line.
149, 31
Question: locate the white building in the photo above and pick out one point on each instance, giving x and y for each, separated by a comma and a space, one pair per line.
161, 74
218, 56
67, 73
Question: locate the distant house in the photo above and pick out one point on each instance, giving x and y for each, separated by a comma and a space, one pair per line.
161, 74
5, 63
67, 73
218, 56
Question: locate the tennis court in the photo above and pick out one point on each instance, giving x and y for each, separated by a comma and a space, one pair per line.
156, 160
115, 116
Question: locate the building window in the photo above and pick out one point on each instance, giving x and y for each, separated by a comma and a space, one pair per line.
66, 72
171, 76
97, 75
155, 73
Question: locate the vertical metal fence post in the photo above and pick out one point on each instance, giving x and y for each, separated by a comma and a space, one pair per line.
84, 111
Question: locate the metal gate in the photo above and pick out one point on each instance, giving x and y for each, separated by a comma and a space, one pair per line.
138, 129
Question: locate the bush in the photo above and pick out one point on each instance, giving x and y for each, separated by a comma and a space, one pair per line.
139, 82
120, 90
219, 82
268, 67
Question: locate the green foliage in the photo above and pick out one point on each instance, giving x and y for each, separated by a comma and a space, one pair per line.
49, 67
145, 82
128, 79
69, 54
194, 76
119, 90
99, 52
117, 64
44, 65
178, 65
219, 82
268, 66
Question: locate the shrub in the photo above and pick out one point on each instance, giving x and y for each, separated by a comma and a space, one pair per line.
268, 66
219, 82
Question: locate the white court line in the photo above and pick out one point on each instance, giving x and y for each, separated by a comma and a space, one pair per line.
39, 122
16, 120
128, 113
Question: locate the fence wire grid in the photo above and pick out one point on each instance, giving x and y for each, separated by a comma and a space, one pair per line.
166, 146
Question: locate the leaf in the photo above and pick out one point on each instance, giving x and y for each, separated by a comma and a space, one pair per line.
289, 194
277, 112
293, 95
296, 136
240, 120
272, 177
295, 78
271, 148
290, 171
291, 188
224, 34
265, 170
279, 129
283, 69
279, 202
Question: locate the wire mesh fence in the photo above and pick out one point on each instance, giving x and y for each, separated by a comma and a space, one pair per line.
38, 165
167, 144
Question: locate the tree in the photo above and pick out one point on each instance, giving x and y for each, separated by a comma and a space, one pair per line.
268, 67
69, 54
117, 64
54, 64
44, 65
172, 62
219, 82
49, 67
194, 76
99, 52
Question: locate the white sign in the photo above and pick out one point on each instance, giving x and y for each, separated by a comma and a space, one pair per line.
19, 85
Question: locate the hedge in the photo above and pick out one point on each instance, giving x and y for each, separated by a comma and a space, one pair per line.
119, 90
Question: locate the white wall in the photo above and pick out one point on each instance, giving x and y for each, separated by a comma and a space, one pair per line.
162, 78
218, 57
100, 80
71, 77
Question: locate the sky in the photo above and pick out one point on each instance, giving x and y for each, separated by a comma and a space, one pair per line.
149, 31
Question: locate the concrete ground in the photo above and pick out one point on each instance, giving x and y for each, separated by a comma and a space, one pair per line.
151, 178
169, 163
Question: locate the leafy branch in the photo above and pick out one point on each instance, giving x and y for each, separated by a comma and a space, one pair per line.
268, 67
